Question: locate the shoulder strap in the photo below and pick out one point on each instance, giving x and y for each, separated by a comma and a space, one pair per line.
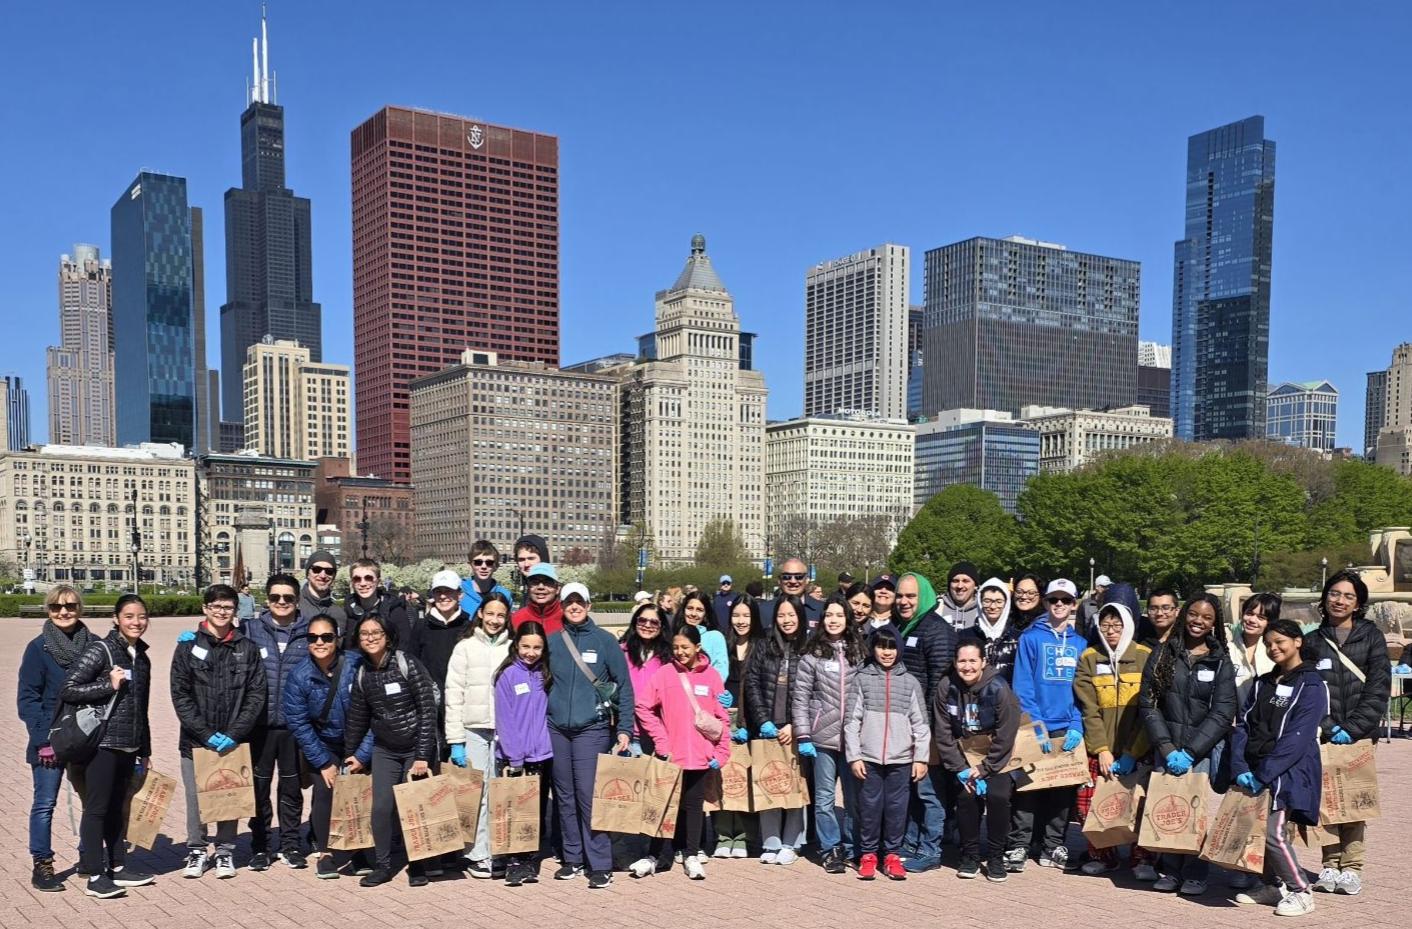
578, 659
690, 695
402, 664
336, 682
1347, 662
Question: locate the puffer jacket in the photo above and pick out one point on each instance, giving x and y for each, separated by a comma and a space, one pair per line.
1199, 707
400, 708
928, 649
765, 674
389, 606
1107, 697
267, 636
1357, 706
217, 685
819, 696
668, 715
573, 700
961, 710
640, 678
470, 690
305, 694
87, 684
1277, 740
887, 718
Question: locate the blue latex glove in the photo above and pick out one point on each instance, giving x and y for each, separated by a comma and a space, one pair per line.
714, 765
807, 750
980, 787
1045, 745
768, 731
1124, 765
1341, 737
741, 735
1248, 781
1178, 762
187, 636
215, 742
1403, 668
458, 755
1073, 739
725, 699
964, 776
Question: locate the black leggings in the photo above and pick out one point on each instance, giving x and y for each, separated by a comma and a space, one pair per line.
105, 787
690, 818
996, 805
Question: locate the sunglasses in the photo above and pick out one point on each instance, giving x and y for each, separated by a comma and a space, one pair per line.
650, 623
1069, 601
324, 570
66, 605
484, 562
327, 638
282, 598
365, 579
793, 577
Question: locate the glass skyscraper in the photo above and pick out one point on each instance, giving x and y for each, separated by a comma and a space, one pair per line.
983, 448
1221, 286
154, 344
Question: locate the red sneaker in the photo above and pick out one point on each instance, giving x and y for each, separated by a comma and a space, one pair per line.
868, 867
892, 867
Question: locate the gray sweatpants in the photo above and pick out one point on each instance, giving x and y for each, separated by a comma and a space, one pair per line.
195, 829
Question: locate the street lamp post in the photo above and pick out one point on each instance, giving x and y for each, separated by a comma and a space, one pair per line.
136, 560
1090, 575
363, 527
1324, 574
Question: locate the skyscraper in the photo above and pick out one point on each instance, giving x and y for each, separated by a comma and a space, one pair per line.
1304, 414
1154, 378
1221, 287
455, 246
1374, 411
988, 449
1015, 321
79, 371
14, 413
915, 316
294, 407
855, 334
269, 252
207, 437
154, 345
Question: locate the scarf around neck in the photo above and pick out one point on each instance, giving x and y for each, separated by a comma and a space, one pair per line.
61, 646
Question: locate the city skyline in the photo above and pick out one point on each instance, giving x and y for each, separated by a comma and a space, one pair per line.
1106, 185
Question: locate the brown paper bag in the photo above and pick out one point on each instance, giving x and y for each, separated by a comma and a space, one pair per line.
1236, 837
662, 799
729, 788
225, 784
151, 796
1056, 769
1025, 753
1113, 815
1174, 815
431, 823
1350, 783
350, 822
636, 796
514, 814
470, 790
775, 779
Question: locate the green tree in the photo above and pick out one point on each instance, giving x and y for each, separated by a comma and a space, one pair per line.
960, 523
1365, 497
721, 545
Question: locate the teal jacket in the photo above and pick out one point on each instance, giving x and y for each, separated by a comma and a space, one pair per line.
574, 704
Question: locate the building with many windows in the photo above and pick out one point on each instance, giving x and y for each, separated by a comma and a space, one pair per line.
1393, 444
259, 510
988, 449
501, 448
14, 413
79, 370
1154, 377
97, 516
1070, 439
1303, 414
294, 408
375, 515
1374, 411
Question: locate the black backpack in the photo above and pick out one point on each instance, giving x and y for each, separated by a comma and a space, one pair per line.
77, 730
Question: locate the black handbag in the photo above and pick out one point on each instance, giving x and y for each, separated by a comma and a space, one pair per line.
78, 730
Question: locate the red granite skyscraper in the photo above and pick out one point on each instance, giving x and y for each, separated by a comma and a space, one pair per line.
455, 245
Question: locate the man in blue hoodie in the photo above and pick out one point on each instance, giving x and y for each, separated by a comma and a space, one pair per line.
484, 559
1045, 663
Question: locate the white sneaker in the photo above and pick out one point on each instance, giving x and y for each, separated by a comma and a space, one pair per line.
787, 856
740, 852
1264, 895
722, 851
196, 863
1349, 882
702, 857
225, 866
694, 868
1296, 904
1145, 873
1166, 884
1328, 880
643, 867
1192, 888
768, 857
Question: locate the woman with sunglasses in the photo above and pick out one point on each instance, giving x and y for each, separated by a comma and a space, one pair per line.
647, 649
315, 708
45, 664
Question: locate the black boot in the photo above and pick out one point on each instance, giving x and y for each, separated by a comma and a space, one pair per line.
43, 877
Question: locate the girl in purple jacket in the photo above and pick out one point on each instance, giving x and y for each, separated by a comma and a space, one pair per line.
522, 724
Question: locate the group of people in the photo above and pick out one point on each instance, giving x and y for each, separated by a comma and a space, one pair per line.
902, 704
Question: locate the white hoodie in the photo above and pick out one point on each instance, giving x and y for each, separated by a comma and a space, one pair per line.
996, 631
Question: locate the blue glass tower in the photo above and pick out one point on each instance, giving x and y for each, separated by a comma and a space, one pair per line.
154, 339
1221, 285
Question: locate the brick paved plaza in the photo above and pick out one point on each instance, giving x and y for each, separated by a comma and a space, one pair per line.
735, 894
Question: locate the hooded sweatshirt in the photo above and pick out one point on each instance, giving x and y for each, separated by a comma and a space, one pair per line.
550, 616
961, 616
640, 678
1044, 675
521, 715
474, 591
986, 707
1107, 686
1277, 739
667, 714
999, 641
433, 640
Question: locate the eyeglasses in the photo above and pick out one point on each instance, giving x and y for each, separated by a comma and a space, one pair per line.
791, 576
65, 605
1066, 601
1026, 594
220, 608
1110, 627
484, 562
282, 598
1163, 609
326, 638
1340, 595
374, 636
365, 579
323, 569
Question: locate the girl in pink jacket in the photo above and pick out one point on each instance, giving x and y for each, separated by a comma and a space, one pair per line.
680, 711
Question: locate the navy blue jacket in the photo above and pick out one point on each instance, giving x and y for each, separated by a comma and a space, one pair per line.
278, 665
305, 693
41, 680
1277, 739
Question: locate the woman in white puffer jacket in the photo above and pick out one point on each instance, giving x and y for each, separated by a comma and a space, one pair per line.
470, 706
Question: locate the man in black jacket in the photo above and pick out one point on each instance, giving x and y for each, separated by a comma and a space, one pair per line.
218, 693
794, 577
316, 596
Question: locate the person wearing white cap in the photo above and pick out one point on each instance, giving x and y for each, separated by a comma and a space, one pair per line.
1091, 604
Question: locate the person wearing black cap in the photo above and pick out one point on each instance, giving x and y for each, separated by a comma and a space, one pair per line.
316, 596
958, 604
845, 581
884, 590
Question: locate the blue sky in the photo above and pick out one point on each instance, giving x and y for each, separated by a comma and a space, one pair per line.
787, 133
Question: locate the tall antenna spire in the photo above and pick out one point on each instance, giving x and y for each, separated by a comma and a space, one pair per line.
253, 90
265, 57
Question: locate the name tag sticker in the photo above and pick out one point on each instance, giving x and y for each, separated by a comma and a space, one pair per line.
1205, 675
1069, 661
199, 653
392, 688
911, 641
127, 673
701, 690
264, 653
1284, 690
953, 709
1102, 669
521, 689
831, 667
1326, 664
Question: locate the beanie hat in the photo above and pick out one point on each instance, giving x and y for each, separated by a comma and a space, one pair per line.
320, 557
966, 568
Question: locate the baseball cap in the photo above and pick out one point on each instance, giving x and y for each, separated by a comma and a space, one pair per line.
641, 597
1103, 580
574, 588
725, 579
845, 578
543, 569
448, 579
883, 580
1061, 586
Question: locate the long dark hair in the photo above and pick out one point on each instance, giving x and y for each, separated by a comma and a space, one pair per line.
778, 644
640, 650
679, 617
1360, 590
1019, 618
1292, 630
1171, 651
820, 646
528, 627
494, 596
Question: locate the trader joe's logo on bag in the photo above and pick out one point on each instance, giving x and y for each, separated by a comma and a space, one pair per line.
1115, 806
1171, 814
735, 781
618, 789
776, 778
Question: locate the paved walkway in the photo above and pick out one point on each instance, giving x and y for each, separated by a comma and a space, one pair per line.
736, 895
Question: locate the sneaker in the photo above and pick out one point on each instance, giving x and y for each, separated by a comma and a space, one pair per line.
969, 868
694, 868
225, 865
722, 850
868, 867
1264, 895
995, 870
259, 862
1296, 904
768, 857
325, 869
432, 868
43, 877
515, 875
834, 862
1328, 880
375, 877
568, 872
294, 858
417, 877
103, 888
1166, 884
892, 867
1146, 873
1349, 882
1192, 888
358, 865
643, 867
1096, 866
1241, 880
1015, 860
128, 877
740, 851
529, 871
787, 856
601, 879
196, 863
1055, 858
480, 870
919, 864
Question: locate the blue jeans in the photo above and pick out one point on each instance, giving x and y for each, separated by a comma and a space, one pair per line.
830, 768
927, 818
575, 763
41, 813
